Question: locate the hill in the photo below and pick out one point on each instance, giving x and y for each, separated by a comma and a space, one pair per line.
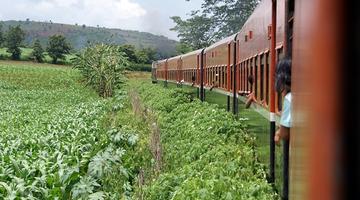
80, 35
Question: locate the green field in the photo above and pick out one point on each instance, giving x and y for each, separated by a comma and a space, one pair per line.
60, 140
54, 136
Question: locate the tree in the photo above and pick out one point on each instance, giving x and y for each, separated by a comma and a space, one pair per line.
216, 20
14, 38
129, 51
38, 52
1, 36
182, 48
57, 47
151, 54
145, 55
141, 57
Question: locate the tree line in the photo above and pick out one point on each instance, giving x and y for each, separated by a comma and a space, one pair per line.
14, 37
58, 46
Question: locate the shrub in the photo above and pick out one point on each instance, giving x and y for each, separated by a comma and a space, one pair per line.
102, 66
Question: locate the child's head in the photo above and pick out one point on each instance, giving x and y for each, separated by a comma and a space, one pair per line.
283, 76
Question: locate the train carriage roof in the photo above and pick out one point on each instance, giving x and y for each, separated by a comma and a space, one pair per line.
196, 52
226, 40
174, 58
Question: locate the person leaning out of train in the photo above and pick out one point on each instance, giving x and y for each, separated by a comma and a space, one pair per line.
250, 97
193, 81
283, 85
215, 83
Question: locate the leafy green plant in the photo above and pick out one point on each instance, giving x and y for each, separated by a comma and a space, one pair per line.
208, 154
102, 66
57, 141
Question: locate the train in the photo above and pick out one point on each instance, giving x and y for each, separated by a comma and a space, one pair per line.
249, 50
321, 37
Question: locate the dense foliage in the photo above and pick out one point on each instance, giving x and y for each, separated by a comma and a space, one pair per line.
58, 139
38, 52
58, 47
1, 35
102, 66
217, 19
207, 153
14, 38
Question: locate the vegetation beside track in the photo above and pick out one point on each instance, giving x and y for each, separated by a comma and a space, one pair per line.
207, 153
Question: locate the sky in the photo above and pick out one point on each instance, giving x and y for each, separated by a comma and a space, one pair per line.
143, 15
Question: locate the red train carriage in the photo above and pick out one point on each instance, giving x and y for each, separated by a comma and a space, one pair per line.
191, 67
161, 70
254, 43
174, 69
218, 64
302, 31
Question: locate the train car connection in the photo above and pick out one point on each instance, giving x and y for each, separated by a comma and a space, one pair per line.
153, 72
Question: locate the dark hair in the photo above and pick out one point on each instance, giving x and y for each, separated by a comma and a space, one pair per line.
283, 75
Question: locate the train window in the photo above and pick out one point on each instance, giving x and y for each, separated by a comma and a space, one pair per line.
269, 32
251, 73
256, 77
246, 38
242, 76
247, 75
231, 77
261, 77
267, 81
223, 76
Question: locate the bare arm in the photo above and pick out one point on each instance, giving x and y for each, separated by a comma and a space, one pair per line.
282, 133
251, 98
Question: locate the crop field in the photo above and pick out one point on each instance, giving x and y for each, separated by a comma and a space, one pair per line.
60, 140
54, 141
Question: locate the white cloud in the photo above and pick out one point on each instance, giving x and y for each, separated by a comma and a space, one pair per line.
143, 15
110, 13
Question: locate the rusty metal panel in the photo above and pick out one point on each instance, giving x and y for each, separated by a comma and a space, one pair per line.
189, 60
314, 142
173, 62
217, 54
160, 69
258, 24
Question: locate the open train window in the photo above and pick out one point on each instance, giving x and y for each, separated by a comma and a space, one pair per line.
250, 73
256, 77
267, 71
247, 75
241, 77
245, 71
231, 77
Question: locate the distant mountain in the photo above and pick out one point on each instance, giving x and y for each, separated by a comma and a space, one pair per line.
80, 35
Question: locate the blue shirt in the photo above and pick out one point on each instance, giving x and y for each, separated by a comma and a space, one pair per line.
285, 119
